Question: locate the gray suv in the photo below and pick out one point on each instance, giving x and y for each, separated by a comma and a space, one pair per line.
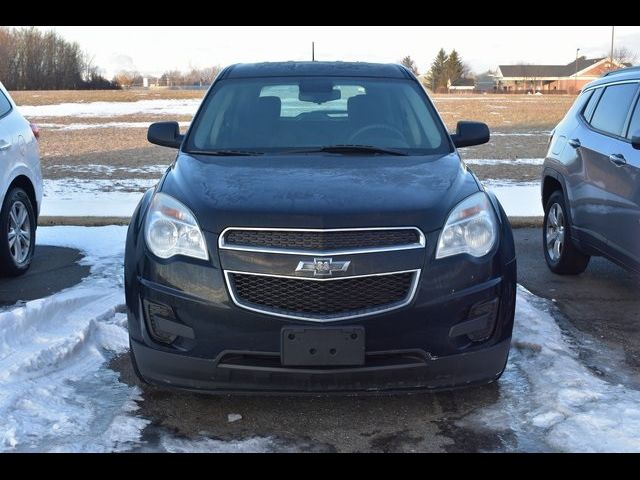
591, 178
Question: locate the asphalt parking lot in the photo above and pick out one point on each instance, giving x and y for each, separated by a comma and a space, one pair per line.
603, 303
53, 269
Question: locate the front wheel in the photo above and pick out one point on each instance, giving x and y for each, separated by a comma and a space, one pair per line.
17, 233
561, 254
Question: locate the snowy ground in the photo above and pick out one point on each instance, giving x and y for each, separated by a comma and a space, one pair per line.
56, 393
91, 126
118, 198
70, 197
517, 199
113, 109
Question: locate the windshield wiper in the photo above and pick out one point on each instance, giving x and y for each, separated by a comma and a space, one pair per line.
349, 149
226, 153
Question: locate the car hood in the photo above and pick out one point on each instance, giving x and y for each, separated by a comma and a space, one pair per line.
319, 191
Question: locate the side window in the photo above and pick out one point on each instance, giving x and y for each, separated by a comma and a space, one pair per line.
591, 106
612, 110
634, 126
5, 106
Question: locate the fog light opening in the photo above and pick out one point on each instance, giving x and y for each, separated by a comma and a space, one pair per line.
487, 313
155, 312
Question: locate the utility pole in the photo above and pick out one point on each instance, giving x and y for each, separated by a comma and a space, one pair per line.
575, 80
613, 29
313, 51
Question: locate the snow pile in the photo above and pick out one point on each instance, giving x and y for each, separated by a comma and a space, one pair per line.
547, 393
113, 109
55, 394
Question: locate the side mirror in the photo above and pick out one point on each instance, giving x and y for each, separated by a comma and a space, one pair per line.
165, 134
470, 133
635, 140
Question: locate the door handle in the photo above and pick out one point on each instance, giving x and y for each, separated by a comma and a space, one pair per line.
617, 159
575, 142
4, 145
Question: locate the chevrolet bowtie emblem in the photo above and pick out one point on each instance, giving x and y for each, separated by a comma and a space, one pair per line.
322, 267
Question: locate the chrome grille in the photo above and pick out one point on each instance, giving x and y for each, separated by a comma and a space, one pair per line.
321, 241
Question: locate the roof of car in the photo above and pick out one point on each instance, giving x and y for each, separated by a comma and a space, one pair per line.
332, 69
632, 73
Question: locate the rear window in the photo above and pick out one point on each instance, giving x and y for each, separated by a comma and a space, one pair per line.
5, 106
279, 114
591, 106
612, 110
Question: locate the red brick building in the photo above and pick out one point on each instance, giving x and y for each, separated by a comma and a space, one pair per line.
568, 78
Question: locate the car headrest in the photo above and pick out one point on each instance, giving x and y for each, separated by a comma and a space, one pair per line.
364, 109
268, 108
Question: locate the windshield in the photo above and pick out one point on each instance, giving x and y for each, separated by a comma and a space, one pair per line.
260, 115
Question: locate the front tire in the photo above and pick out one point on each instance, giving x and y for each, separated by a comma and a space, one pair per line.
562, 256
17, 233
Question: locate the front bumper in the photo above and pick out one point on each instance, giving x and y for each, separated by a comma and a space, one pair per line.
215, 375
421, 346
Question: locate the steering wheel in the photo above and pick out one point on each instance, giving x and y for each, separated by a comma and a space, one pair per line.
377, 126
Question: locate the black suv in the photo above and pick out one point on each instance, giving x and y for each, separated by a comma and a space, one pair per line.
591, 178
319, 232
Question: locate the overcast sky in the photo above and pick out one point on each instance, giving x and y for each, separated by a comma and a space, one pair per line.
153, 50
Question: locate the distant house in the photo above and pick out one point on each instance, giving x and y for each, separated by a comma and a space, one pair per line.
462, 85
553, 78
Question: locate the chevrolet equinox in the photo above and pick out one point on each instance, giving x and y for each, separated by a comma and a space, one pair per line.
318, 232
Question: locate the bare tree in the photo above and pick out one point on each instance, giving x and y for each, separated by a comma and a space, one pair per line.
127, 78
410, 64
194, 77
624, 55
34, 60
209, 74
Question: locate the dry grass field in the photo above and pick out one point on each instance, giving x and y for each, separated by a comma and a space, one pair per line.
519, 123
505, 112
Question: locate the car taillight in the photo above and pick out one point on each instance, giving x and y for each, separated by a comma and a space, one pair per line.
35, 130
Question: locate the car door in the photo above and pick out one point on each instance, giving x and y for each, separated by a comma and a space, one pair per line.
626, 238
602, 196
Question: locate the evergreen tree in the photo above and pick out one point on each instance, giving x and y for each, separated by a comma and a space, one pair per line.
455, 69
410, 64
438, 71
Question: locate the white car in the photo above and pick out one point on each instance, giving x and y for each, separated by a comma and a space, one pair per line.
20, 188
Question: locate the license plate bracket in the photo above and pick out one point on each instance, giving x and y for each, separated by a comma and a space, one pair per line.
322, 346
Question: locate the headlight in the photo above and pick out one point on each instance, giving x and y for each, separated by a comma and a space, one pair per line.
471, 228
171, 229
